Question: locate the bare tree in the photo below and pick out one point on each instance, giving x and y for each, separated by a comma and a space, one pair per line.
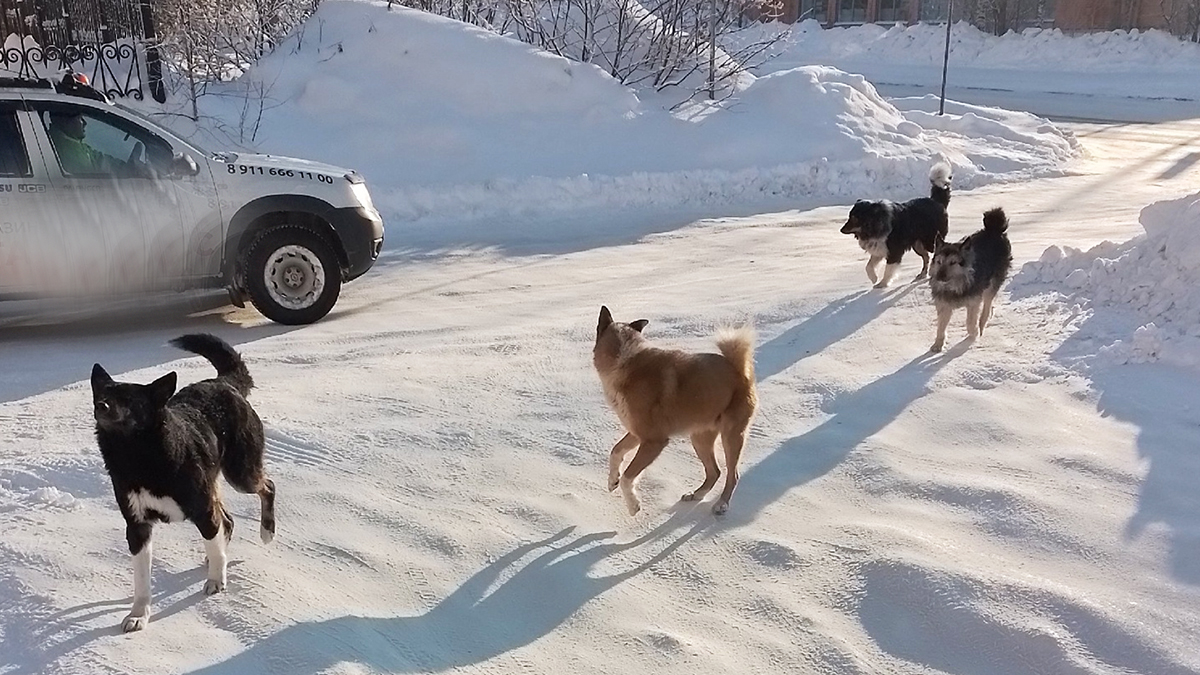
1182, 18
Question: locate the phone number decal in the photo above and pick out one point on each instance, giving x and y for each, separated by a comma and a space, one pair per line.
243, 170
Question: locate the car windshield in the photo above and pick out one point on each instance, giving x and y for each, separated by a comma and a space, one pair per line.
158, 126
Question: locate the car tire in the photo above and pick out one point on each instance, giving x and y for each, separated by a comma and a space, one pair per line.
292, 275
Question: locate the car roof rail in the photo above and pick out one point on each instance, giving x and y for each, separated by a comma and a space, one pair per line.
71, 84
25, 83
76, 84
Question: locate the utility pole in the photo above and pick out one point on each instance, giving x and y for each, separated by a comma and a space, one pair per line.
946, 55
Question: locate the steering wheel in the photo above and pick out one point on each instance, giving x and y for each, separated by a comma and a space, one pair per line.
137, 154
137, 160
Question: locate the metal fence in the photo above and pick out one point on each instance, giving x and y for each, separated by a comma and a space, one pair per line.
111, 41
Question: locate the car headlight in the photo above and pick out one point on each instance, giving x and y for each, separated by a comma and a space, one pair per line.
362, 195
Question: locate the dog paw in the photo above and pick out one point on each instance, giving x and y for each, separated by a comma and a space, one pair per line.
689, 497
135, 622
720, 508
613, 484
267, 535
214, 586
937, 347
880, 285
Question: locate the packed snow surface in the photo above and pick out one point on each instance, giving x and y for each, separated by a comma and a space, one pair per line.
439, 444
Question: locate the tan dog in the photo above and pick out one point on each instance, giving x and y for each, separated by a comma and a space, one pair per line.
662, 393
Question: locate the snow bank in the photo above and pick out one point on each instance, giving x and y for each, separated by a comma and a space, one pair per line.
450, 121
923, 44
1113, 70
1154, 276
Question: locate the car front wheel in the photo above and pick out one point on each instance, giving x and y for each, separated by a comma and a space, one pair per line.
292, 275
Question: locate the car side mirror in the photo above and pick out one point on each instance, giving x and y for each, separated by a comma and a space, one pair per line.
183, 165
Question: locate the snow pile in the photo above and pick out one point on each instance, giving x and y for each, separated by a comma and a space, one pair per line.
451, 121
1155, 276
54, 497
924, 44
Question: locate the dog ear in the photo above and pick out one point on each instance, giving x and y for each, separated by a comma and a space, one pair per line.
639, 324
162, 388
100, 377
605, 320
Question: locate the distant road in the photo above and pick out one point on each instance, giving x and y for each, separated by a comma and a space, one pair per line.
1062, 107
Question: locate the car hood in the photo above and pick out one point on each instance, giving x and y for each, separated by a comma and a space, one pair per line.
281, 162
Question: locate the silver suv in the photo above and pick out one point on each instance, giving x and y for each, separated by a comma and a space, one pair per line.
98, 199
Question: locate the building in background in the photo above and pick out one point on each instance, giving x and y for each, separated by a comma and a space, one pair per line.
1181, 17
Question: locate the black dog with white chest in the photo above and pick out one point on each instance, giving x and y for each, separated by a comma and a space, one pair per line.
164, 451
886, 230
969, 274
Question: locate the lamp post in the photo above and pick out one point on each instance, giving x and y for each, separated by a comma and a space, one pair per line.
946, 55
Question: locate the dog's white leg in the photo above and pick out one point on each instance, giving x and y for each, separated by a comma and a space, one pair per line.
139, 615
872, 263
973, 319
889, 271
628, 442
943, 319
217, 561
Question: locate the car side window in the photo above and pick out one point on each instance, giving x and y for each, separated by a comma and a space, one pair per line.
90, 143
14, 160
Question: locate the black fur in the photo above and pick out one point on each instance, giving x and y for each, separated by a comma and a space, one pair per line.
173, 445
980, 262
888, 229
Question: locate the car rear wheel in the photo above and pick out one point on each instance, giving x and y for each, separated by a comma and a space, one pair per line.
292, 275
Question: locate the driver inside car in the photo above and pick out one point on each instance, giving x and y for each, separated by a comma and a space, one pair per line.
67, 131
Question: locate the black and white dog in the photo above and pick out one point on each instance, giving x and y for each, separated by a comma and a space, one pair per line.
969, 274
164, 450
886, 230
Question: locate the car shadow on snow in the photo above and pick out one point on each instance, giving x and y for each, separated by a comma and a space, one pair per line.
856, 416
54, 350
480, 620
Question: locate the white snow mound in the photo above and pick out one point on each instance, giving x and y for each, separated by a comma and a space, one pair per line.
449, 120
1154, 276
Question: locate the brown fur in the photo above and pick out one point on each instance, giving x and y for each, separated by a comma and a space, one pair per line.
659, 394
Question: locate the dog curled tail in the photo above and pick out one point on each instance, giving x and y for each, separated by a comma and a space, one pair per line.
939, 183
995, 221
229, 364
737, 346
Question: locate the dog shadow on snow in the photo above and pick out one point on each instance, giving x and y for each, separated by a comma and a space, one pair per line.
480, 620
856, 416
37, 636
835, 322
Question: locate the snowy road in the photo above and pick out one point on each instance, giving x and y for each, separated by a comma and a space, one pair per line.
439, 445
